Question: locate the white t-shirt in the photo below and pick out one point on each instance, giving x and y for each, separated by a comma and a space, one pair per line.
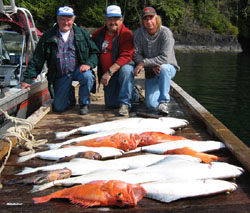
65, 35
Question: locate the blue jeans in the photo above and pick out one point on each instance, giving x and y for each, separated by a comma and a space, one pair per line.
120, 87
157, 88
65, 92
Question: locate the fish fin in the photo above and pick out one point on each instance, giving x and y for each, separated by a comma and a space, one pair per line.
41, 199
85, 203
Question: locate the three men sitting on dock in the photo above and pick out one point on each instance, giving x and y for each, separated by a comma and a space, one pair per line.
71, 54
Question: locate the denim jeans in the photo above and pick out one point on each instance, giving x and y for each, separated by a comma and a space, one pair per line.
157, 88
65, 92
120, 87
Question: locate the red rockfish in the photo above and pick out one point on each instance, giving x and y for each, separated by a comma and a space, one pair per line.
99, 193
121, 141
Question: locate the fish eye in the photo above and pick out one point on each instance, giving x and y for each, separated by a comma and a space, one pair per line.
120, 194
124, 141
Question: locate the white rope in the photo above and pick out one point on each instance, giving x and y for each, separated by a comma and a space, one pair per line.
23, 134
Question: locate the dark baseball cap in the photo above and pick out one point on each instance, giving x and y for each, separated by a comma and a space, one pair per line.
148, 11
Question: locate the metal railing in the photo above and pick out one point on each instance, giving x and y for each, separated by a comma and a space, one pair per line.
11, 9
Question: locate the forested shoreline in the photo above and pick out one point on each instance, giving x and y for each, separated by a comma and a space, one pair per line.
203, 22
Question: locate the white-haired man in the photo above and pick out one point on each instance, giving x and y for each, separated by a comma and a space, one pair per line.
71, 55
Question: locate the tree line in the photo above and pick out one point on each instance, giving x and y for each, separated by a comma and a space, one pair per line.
229, 17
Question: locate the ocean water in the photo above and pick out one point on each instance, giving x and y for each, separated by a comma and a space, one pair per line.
221, 83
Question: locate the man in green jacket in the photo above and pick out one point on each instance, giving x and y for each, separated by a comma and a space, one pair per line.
70, 55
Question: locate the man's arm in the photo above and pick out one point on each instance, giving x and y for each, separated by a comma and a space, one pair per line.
35, 65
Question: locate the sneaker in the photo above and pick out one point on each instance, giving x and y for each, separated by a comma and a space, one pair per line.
163, 108
84, 109
123, 110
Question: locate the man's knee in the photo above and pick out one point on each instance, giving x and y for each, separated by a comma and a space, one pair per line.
86, 77
168, 70
58, 107
127, 69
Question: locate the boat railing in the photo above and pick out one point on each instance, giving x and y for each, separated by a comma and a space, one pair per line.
12, 9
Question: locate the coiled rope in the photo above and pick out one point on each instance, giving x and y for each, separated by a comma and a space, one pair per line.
22, 131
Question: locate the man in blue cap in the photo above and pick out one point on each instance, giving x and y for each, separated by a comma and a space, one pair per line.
115, 70
70, 55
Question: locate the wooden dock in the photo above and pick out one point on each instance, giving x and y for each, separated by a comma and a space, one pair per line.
202, 126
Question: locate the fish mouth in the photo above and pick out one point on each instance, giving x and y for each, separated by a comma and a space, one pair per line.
136, 192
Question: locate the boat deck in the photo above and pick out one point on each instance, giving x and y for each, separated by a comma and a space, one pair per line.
16, 198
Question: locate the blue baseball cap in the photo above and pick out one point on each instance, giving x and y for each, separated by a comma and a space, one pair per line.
65, 11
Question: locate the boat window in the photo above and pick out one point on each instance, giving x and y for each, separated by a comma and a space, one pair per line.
11, 47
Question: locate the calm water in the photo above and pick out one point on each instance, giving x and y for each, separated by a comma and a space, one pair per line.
221, 83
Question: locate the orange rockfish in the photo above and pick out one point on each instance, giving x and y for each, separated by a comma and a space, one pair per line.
121, 141
150, 138
205, 158
99, 193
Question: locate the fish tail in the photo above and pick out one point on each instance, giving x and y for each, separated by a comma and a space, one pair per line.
26, 170
62, 135
25, 158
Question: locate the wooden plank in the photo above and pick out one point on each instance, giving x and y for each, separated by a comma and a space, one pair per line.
214, 126
40, 113
4, 147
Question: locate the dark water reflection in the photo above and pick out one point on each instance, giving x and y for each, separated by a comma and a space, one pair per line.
221, 83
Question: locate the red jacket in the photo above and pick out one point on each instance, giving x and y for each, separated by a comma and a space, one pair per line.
122, 45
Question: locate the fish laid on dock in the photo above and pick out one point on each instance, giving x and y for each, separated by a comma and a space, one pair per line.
168, 191
137, 130
129, 141
166, 122
80, 166
178, 167
198, 146
205, 158
99, 193
123, 141
97, 175
57, 154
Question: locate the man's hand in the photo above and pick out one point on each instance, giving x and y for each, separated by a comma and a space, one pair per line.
157, 69
138, 68
25, 86
84, 67
105, 78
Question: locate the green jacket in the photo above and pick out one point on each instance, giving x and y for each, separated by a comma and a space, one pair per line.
46, 51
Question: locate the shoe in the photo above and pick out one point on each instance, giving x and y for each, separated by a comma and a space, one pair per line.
84, 109
123, 110
163, 108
